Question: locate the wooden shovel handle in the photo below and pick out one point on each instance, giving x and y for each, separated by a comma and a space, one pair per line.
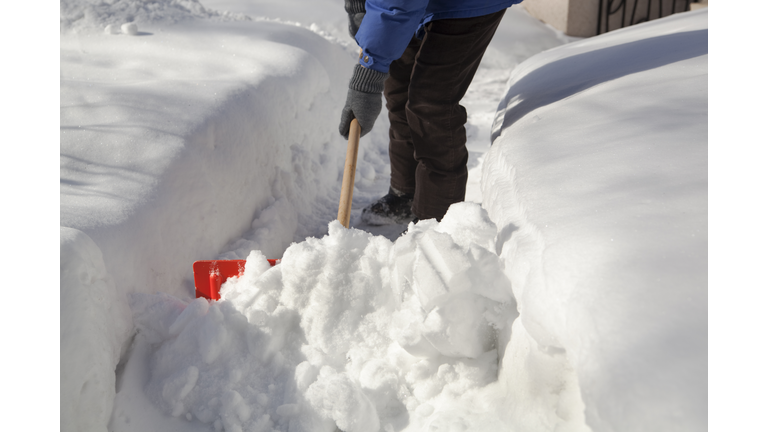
348, 182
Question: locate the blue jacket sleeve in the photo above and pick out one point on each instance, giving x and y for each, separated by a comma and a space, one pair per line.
387, 28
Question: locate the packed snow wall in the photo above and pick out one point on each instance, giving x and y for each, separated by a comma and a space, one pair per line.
165, 159
597, 181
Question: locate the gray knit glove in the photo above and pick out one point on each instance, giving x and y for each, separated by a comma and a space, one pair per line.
363, 100
355, 11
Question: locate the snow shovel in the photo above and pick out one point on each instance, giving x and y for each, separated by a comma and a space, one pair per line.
348, 181
210, 274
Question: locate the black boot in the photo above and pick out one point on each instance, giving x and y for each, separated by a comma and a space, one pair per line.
393, 208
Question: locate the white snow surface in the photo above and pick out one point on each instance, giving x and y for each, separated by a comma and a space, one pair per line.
349, 330
85, 15
597, 179
88, 351
568, 293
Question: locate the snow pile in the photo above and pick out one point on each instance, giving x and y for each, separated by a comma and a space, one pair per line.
597, 180
166, 159
350, 330
84, 15
89, 353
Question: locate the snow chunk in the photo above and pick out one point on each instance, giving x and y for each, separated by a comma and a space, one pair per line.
130, 29
212, 335
468, 224
458, 328
177, 387
335, 396
197, 308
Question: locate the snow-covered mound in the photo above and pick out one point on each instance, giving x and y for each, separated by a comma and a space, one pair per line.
165, 158
95, 321
350, 330
597, 180
89, 15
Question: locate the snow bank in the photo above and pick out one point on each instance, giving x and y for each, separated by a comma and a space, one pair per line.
95, 322
349, 330
326, 17
518, 37
597, 180
86, 15
166, 159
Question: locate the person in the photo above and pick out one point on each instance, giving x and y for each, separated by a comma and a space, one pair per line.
422, 54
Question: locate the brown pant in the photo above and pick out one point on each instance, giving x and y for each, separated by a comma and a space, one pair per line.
427, 139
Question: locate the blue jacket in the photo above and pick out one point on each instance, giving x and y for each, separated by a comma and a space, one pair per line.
389, 24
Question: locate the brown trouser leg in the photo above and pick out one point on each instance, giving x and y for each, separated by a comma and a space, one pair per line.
427, 139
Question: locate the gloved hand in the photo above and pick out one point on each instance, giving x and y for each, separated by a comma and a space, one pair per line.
363, 100
355, 11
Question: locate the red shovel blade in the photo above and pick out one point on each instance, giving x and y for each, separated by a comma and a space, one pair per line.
209, 275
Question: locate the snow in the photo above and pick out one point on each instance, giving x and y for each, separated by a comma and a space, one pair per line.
348, 330
568, 293
165, 159
606, 217
83, 15
160, 194
89, 353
